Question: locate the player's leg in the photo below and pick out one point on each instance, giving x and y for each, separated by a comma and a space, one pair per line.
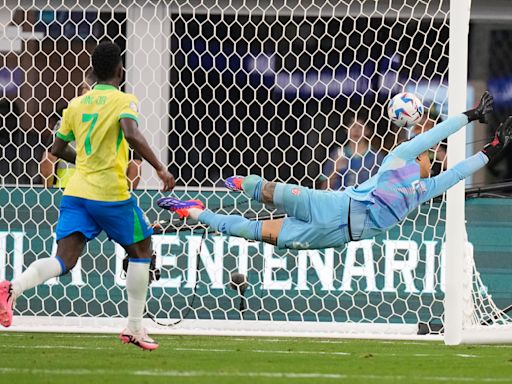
73, 229
68, 251
328, 225
421, 143
293, 199
137, 282
234, 225
125, 223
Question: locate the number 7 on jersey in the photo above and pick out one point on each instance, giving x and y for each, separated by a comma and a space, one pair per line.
86, 117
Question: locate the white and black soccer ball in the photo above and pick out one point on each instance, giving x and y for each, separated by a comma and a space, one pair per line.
405, 110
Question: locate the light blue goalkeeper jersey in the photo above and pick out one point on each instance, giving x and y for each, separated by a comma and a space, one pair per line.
397, 188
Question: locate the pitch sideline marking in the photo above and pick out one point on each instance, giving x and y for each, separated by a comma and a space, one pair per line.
283, 375
299, 352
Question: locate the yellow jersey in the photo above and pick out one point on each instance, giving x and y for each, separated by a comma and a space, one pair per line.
92, 121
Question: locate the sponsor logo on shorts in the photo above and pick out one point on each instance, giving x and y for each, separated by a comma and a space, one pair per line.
296, 191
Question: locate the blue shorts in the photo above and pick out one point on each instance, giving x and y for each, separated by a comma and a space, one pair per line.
123, 221
316, 219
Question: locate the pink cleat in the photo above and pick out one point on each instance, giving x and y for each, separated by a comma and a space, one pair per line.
141, 340
6, 303
178, 206
234, 183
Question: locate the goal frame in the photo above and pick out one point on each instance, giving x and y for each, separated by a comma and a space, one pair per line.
153, 93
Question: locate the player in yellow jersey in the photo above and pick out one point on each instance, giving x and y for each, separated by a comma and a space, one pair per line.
104, 124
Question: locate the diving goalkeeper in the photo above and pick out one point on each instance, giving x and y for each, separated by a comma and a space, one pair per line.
323, 219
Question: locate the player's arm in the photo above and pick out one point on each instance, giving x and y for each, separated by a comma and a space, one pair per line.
63, 150
439, 184
139, 144
63, 137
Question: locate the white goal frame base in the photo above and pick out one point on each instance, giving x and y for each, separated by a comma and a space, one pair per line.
224, 328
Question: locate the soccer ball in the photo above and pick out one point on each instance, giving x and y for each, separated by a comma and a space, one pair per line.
405, 110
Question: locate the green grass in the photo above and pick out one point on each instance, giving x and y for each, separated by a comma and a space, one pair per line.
95, 359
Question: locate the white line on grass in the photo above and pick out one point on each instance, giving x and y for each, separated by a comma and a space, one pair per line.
51, 347
261, 351
276, 375
216, 350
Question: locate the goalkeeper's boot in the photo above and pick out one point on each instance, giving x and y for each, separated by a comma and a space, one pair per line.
501, 140
483, 110
234, 183
6, 299
141, 340
181, 207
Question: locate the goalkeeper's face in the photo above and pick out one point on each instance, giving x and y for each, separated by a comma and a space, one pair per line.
424, 162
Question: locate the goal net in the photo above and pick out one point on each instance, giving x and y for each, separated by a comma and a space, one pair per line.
285, 89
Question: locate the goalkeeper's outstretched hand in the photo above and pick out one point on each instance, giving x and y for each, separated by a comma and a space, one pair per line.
502, 138
484, 107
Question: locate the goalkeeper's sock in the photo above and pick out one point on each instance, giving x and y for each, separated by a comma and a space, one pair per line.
252, 186
137, 281
37, 273
232, 225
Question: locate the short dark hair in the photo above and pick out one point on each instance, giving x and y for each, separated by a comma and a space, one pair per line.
105, 60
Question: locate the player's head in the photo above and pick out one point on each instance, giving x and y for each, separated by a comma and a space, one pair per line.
424, 161
107, 64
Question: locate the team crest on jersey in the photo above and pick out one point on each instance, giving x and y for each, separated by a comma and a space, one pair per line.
133, 106
296, 191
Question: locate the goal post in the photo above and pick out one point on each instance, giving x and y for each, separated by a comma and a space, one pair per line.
266, 87
470, 314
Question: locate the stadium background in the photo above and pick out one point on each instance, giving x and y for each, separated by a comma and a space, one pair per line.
38, 77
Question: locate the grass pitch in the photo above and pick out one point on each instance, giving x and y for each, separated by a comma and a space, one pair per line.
75, 359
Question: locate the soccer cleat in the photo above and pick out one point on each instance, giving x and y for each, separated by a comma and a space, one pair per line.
234, 183
141, 340
178, 206
6, 303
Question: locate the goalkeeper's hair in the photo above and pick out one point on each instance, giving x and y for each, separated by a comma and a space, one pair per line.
105, 60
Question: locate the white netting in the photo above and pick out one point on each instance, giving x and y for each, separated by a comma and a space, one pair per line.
227, 88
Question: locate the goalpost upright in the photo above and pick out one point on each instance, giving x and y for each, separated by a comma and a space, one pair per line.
455, 211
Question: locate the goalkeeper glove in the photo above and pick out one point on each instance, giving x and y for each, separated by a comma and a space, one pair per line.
501, 139
484, 107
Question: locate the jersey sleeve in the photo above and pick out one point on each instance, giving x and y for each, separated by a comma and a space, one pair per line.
437, 185
129, 108
65, 131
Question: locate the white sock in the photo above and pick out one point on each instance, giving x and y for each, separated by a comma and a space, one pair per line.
137, 281
36, 273
194, 213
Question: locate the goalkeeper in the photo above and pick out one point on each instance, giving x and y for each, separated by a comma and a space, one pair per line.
323, 219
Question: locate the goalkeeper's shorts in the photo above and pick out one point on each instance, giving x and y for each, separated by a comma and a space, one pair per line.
316, 219
123, 221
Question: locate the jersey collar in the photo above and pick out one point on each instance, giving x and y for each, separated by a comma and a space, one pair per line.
105, 87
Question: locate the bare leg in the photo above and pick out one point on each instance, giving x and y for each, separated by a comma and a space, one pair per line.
70, 248
293, 199
270, 230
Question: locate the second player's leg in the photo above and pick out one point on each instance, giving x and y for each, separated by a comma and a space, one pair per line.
293, 199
